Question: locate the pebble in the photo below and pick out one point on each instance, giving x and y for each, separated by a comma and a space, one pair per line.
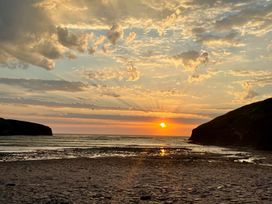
145, 197
219, 187
10, 184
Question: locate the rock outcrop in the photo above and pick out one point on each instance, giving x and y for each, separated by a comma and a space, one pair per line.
16, 127
250, 125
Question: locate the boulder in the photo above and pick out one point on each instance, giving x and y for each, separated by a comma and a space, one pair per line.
16, 127
250, 125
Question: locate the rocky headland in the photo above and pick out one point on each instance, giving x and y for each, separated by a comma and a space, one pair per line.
16, 127
250, 125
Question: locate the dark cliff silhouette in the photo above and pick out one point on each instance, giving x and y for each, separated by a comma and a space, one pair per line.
250, 125
16, 127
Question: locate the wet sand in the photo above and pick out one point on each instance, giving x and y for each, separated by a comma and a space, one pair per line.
135, 180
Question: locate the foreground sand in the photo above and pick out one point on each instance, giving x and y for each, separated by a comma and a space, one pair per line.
134, 180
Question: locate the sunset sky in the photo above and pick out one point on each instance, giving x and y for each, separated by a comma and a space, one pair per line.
124, 66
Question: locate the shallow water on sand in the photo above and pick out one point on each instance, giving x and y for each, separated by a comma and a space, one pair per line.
63, 146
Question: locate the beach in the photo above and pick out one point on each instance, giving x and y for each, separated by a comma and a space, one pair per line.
139, 179
135, 102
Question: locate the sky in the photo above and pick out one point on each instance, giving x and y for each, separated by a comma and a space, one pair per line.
123, 66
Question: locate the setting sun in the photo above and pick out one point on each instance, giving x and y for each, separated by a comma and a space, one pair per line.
163, 125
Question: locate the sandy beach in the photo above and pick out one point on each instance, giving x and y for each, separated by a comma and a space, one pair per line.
135, 180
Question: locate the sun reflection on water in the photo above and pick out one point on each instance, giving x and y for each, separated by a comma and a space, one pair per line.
162, 152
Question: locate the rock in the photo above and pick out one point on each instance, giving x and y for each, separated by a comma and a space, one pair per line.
145, 197
250, 125
16, 127
10, 184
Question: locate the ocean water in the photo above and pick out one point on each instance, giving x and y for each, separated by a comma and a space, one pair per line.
63, 146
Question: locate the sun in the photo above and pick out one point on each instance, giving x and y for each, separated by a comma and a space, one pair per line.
163, 125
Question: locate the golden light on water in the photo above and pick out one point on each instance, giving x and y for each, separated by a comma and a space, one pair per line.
162, 152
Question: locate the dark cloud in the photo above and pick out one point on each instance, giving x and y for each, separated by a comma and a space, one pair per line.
219, 39
72, 40
49, 50
115, 33
251, 14
27, 55
214, 4
118, 117
111, 94
28, 33
133, 118
21, 25
42, 102
192, 59
44, 85
20, 21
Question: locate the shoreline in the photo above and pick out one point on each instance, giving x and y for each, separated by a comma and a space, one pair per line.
245, 155
134, 180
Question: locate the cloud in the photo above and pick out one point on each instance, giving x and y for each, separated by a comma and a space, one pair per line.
105, 47
45, 31
21, 21
29, 34
133, 118
131, 37
251, 94
130, 73
269, 47
70, 55
21, 26
42, 32
98, 41
260, 74
217, 3
220, 39
191, 60
103, 74
8, 61
72, 40
168, 21
198, 77
253, 78
250, 16
115, 33
249, 91
91, 50
50, 50
38, 24
43, 102
27, 55
111, 94
254, 83
109, 12
44, 85
48, 4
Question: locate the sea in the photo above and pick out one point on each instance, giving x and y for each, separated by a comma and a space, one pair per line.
68, 146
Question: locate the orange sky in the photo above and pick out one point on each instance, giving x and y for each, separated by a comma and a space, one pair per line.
123, 66
94, 126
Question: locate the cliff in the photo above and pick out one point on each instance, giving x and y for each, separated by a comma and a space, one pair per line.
250, 125
16, 127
